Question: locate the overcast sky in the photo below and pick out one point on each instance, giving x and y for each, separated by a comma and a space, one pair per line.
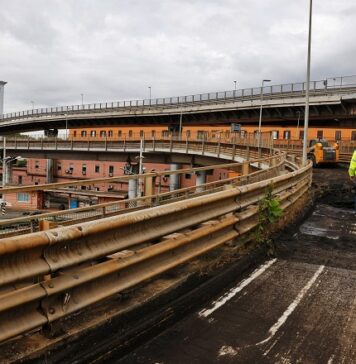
51, 51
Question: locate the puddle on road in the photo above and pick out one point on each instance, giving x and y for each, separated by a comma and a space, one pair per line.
330, 222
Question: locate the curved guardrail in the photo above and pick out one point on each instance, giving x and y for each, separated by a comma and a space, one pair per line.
48, 276
248, 174
326, 87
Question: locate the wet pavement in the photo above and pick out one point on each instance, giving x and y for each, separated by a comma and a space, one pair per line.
299, 307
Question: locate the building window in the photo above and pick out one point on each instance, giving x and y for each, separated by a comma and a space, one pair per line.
74, 133
20, 180
153, 133
188, 176
84, 169
165, 133
142, 134
93, 133
319, 134
37, 164
353, 135
275, 134
187, 133
200, 134
111, 171
83, 133
119, 133
102, 133
23, 197
130, 133
338, 135
286, 134
59, 167
110, 133
97, 169
301, 134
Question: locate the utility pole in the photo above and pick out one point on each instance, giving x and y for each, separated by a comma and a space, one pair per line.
260, 119
306, 113
180, 125
2, 86
140, 170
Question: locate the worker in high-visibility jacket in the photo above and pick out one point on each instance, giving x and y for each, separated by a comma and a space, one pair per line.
352, 173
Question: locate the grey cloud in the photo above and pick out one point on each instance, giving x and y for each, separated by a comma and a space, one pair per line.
52, 51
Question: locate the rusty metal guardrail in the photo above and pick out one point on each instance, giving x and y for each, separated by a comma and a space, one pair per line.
23, 225
47, 276
327, 86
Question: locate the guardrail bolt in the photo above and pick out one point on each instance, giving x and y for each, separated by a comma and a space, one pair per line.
51, 310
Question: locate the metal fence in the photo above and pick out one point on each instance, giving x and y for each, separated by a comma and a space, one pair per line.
327, 86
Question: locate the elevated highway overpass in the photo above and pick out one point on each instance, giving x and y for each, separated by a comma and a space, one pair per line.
331, 101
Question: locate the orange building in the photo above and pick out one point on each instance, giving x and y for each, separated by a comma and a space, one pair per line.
207, 131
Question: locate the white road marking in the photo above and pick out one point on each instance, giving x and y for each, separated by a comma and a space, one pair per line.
273, 330
230, 294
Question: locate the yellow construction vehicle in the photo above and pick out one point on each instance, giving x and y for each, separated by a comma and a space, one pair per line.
321, 153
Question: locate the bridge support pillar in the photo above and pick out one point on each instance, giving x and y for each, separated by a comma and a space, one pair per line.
49, 170
200, 180
132, 193
174, 179
8, 173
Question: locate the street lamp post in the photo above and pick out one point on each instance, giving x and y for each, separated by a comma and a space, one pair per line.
2, 85
297, 136
260, 119
150, 88
235, 82
66, 126
82, 95
306, 113
33, 105
180, 125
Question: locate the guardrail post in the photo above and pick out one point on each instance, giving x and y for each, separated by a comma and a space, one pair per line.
106, 143
219, 144
88, 143
171, 143
233, 152
15, 142
42, 143
28, 142
245, 168
153, 143
186, 144
71, 143
125, 144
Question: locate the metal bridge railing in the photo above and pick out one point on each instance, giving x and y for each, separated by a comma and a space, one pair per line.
328, 86
27, 224
48, 276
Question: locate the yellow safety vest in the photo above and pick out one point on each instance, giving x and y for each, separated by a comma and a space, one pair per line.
352, 168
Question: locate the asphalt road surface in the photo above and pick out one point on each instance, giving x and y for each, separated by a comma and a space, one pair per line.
299, 307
